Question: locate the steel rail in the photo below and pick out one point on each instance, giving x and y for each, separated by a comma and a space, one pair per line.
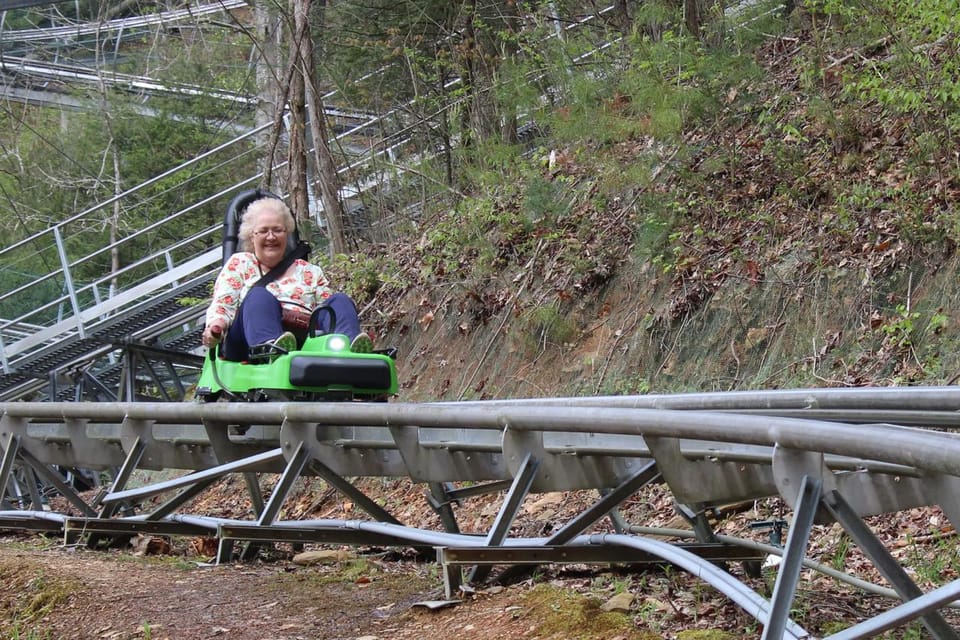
741, 594
929, 450
772, 550
750, 601
909, 610
907, 449
133, 190
919, 398
119, 24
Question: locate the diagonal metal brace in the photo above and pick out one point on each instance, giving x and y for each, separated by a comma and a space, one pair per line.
886, 564
515, 497
808, 501
291, 473
609, 501
10, 449
58, 482
359, 498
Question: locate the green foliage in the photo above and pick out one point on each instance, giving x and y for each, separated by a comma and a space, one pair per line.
834, 627
705, 634
547, 326
842, 549
64, 164
937, 567
484, 235
361, 276
911, 62
544, 202
901, 329
630, 385
36, 596
658, 216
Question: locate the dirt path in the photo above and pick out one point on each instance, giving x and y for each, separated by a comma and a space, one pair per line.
76, 593
60, 593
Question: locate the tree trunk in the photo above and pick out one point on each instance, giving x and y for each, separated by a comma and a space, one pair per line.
480, 121
693, 16
114, 154
327, 179
622, 12
297, 153
508, 119
696, 16
271, 94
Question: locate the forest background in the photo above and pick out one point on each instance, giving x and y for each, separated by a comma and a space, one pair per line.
769, 186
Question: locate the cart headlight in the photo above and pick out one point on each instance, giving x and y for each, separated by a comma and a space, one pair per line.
337, 343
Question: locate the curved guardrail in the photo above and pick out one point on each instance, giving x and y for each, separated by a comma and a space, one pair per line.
709, 449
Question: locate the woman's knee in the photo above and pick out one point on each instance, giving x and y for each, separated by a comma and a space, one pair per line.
259, 296
339, 299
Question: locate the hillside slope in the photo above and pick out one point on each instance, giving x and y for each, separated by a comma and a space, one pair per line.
798, 238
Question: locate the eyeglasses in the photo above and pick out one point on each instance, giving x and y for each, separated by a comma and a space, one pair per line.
276, 231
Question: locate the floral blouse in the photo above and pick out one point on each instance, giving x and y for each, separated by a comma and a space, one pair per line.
299, 290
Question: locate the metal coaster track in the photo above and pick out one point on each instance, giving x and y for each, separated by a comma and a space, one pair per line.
128, 26
708, 449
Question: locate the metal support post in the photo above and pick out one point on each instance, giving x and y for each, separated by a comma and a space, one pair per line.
620, 525
123, 476
808, 502
125, 388
3, 360
10, 448
57, 481
287, 479
100, 392
30, 479
611, 499
175, 378
290, 475
53, 389
439, 500
359, 498
515, 497
225, 550
452, 575
68, 280
109, 508
648, 473
697, 520
152, 372
253, 488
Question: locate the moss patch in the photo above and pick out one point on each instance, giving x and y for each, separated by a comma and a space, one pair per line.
29, 594
561, 613
705, 634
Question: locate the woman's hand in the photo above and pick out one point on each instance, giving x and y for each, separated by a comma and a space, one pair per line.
213, 333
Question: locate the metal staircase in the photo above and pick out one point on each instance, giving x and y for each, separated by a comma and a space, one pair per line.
74, 320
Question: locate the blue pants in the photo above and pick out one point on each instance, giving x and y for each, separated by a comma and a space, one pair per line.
348, 320
259, 320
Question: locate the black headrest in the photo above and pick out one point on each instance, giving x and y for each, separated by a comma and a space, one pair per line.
231, 221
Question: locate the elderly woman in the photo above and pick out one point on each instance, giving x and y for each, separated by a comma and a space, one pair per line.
244, 315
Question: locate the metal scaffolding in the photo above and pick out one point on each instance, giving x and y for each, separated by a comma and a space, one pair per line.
708, 449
